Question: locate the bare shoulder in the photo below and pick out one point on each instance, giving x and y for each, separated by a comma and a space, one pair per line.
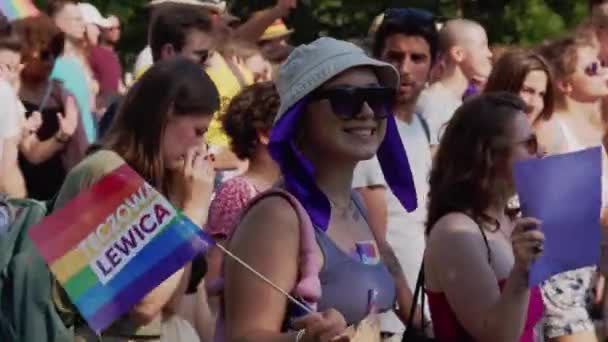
272, 219
450, 225
454, 233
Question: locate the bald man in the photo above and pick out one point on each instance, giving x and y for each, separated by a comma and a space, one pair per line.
465, 60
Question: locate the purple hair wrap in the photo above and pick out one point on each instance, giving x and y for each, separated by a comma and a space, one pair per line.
298, 172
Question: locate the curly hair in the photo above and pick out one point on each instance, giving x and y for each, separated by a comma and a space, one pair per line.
42, 42
470, 170
250, 112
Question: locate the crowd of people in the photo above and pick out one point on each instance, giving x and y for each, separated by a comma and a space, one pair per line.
333, 170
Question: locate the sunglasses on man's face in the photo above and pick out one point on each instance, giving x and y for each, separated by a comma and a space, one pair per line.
347, 102
593, 69
202, 56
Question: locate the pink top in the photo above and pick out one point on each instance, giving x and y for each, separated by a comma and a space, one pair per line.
228, 205
448, 329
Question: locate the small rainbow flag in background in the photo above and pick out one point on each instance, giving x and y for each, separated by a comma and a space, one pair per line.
114, 243
18, 9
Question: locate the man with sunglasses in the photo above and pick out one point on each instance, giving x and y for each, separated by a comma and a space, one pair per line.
466, 61
407, 39
176, 31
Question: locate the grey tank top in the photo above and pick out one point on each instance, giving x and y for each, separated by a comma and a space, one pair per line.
346, 282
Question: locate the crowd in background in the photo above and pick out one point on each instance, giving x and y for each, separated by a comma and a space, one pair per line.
303, 159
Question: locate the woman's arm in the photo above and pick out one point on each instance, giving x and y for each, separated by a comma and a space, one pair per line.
11, 178
268, 240
252, 30
457, 260
37, 151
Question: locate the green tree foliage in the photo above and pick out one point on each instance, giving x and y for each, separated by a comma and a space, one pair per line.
525, 22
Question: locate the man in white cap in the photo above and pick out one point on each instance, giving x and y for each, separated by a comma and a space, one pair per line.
94, 22
104, 62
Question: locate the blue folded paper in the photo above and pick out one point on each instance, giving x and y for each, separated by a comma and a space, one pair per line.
564, 192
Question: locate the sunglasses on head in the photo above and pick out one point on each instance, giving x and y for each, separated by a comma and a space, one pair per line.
593, 69
410, 14
347, 102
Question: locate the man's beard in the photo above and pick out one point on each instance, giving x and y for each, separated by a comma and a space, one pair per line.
408, 99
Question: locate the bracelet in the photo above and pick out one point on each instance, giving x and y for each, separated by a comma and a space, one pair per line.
61, 141
300, 335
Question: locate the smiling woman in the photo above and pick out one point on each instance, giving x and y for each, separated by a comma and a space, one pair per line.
336, 110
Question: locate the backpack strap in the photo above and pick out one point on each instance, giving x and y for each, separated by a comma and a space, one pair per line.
425, 126
308, 286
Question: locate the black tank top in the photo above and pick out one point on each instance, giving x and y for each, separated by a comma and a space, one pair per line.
44, 180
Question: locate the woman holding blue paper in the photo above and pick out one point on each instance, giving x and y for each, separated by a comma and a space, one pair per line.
581, 84
477, 255
159, 133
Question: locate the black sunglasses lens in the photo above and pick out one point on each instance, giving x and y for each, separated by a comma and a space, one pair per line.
532, 145
592, 69
345, 104
203, 57
380, 101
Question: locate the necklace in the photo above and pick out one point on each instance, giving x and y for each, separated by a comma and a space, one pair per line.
344, 210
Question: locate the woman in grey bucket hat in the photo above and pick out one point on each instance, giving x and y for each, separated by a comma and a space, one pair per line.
335, 111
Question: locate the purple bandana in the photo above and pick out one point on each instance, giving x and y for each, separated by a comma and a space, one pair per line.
298, 172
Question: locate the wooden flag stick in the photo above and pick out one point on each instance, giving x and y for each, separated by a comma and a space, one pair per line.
266, 280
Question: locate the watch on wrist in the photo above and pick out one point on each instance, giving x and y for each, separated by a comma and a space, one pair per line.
300, 335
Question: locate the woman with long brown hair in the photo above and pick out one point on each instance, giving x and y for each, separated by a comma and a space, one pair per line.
56, 112
474, 248
159, 133
580, 82
527, 74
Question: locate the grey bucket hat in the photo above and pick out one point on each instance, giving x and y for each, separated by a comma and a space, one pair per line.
310, 66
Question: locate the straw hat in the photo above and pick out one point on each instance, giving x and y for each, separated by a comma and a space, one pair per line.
276, 30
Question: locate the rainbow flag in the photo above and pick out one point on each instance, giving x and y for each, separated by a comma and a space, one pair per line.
114, 243
18, 9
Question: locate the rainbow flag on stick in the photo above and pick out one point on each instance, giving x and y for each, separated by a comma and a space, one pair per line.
114, 243
18, 9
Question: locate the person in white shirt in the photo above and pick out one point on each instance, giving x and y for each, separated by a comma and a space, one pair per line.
466, 59
12, 116
407, 39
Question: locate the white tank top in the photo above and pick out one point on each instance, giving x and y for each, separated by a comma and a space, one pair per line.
573, 145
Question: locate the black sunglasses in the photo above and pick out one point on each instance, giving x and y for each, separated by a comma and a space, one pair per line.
203, 56
347, 102
531, 144
593, 69
415, 15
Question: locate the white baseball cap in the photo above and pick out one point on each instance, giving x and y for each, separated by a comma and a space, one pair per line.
91, 15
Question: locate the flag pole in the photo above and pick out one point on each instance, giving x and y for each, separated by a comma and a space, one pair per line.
266, 280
